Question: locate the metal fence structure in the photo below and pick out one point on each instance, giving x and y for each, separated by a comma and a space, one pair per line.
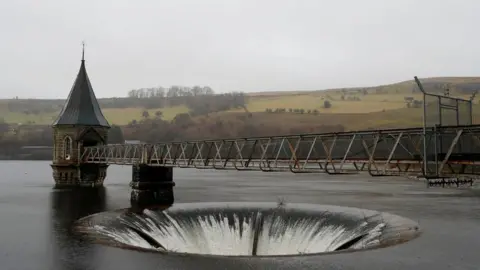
440, 111
445, 110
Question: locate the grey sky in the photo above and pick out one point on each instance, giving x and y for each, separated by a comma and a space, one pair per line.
244, 45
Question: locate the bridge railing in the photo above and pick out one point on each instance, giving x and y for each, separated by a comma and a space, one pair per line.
381, 152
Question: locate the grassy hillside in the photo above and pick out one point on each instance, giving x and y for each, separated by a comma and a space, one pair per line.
315, 100
124, 116
117, 116
298, 123
361, 100
355, 108
351, 121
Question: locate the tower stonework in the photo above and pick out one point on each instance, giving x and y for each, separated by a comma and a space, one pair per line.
80, 124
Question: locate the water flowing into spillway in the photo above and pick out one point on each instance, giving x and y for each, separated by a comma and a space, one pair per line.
246, 229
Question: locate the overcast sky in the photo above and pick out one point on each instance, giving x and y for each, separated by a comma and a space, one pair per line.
244, 45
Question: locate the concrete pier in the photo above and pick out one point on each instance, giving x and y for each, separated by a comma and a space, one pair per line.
151, 186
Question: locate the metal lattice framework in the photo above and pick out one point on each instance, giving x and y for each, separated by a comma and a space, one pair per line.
380, 152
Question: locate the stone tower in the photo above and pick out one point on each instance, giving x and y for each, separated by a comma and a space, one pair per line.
80, 124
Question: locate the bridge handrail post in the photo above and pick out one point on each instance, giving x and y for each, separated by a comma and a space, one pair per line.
144, 154
424, 120
470, 107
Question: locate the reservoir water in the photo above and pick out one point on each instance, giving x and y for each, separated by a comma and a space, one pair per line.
36, 220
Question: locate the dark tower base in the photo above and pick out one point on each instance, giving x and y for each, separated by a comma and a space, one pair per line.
84, 175
151, 186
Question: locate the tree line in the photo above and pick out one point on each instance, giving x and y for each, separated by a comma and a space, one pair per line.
200, 100
173, 91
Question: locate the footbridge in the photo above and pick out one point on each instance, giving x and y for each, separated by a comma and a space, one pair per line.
440, 152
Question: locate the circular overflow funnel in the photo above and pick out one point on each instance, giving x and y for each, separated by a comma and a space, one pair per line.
249, 229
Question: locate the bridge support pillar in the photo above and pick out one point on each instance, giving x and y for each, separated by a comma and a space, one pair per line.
151, 186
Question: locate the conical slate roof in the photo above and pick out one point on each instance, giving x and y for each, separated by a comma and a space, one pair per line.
82, 107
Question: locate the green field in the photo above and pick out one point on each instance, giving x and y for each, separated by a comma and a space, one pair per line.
377, 99
366, 104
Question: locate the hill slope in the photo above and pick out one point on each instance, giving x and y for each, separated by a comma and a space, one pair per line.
355, 108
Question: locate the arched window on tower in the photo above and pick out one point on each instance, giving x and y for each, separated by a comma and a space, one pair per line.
67, 148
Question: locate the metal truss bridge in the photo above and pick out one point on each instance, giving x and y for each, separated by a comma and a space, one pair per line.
439, 152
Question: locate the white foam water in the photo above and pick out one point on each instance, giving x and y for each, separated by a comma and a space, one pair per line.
240, 232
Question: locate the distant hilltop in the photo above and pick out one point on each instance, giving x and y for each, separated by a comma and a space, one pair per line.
433, 84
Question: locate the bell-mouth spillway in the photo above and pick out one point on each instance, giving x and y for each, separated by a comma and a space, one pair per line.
249, 229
